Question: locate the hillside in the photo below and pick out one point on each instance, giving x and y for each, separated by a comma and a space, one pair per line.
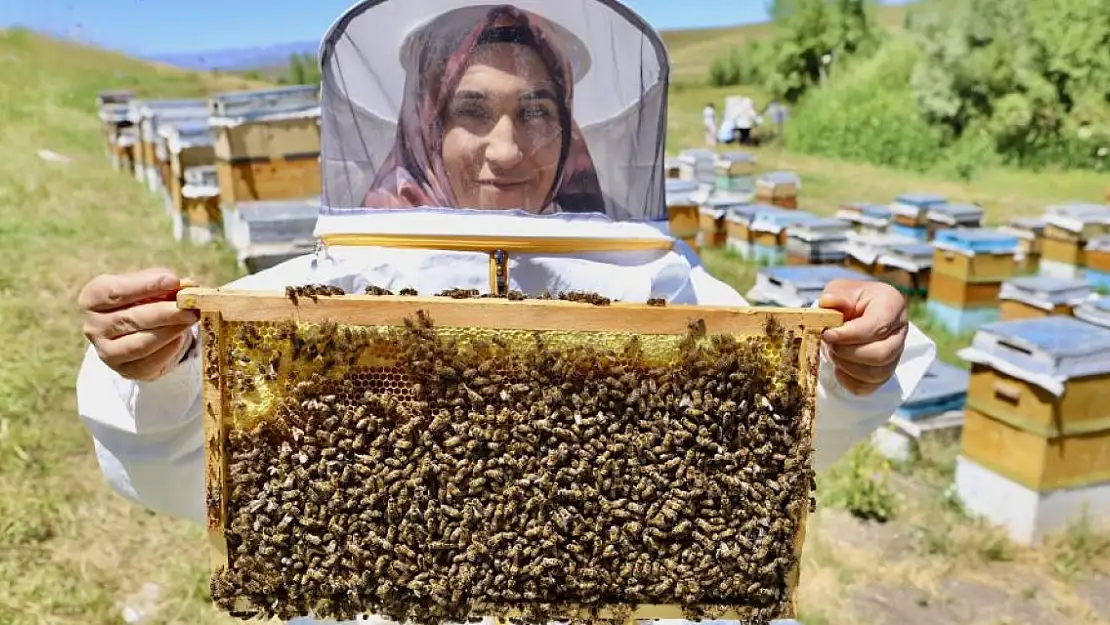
71, 551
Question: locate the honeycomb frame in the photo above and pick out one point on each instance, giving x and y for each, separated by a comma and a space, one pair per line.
219, 309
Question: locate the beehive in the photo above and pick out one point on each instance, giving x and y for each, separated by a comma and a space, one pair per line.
152, 114
951, 215
546, 459
969, 267
768, 230
817, 242
738, 224
735, 172
267, 144
875, 220
854, 213
670, 165
1097, 262
189, 144
907, 267
909, 213
1067, 229
199, 218
779, 188
712, 229
1096, 311
797, 286
683, 216
1037, 429
1030, 234
863, 250
262, 233
1030, 297
937, 404
112, 109
697, 165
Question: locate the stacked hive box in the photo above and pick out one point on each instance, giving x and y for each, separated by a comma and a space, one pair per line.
947, 215
817, 242
796, 286
1030, 234
189, 144
937, 404
713, 229
1097, 262
296, 387
859, 213
907, 267
910, 214
1031, 297
264, 234
768, 234
151, 115
267, 150
779, 188
1035, 453
738, 227
862, 251
1096, 311
1067, 230
683, 215
969, 267
735, 172
200, 219
875, 220
698, 165
112, 109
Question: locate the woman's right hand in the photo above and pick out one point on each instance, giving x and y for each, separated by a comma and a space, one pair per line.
133, 322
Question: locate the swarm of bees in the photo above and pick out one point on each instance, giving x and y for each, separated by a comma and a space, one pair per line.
514, 475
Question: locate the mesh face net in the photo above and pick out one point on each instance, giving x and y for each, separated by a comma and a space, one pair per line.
542, 106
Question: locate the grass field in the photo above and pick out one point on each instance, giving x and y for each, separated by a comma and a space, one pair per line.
71, 551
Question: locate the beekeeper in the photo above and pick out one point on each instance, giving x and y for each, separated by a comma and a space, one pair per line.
507, 125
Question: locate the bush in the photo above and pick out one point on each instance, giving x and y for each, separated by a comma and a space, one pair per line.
859, 484
868, 114
738, 67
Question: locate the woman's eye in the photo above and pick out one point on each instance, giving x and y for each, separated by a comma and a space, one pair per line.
535, 114
469, 112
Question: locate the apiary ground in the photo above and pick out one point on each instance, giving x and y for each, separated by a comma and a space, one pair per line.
510, 469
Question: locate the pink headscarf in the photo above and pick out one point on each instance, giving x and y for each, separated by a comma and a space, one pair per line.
413, 174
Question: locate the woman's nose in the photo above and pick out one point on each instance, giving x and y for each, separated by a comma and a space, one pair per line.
502, 148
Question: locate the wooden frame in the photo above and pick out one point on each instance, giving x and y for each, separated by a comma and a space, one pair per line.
218, 308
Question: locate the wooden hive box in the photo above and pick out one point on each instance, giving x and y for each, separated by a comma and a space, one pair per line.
853, 212
683, 218
817, 242
1097, 262
911, 210
267, 144
1039, 402
969, 267
942, 390
796, 286
342, 397
862, 250
768, 230
948, 215
1030, 234
907, 267
199, 217
735, 172
697, 165
712, 227
1031, 297
1096, 311
738, 224
779, 188
189, 144
113, 116
1068, 227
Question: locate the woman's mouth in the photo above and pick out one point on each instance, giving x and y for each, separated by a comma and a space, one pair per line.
502, 184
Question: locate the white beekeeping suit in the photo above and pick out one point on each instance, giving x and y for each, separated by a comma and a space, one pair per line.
393, 168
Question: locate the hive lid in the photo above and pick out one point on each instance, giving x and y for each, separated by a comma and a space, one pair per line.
1096, 311
976, 241
810, 277
1076, 217
697, 155
1045, 292
912, 257
282, 99
1047, 351
777, 221
820, 228
278, 210
1035, 224
779, 177
114, 113
941, 381
914, 204
746, 213
1099, 244
954, 213
736, 157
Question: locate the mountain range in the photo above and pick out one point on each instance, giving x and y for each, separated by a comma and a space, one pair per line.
237, 59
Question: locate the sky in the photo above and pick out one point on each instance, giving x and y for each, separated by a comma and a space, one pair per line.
148, 27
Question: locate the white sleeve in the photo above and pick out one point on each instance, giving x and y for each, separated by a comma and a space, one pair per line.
843, 419
148, 436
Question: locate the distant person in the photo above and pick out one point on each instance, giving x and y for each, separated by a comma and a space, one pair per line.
745, 121
709, 117
777, 113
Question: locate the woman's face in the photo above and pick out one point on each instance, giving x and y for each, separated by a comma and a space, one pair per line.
503, 139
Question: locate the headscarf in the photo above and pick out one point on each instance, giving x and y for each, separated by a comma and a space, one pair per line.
414, 175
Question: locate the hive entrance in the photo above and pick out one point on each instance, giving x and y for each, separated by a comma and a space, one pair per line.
437, 474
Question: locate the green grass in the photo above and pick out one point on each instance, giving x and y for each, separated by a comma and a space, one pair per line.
70, 550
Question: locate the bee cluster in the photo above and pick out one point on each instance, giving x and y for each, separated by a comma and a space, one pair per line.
514, 474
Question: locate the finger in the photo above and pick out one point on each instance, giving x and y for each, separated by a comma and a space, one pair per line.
156, 364
861, 389
868, 374
882, 317
144, 317
879, 353
138, 345
112, 292
844, 296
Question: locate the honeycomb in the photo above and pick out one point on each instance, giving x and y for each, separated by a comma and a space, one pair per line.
438, 474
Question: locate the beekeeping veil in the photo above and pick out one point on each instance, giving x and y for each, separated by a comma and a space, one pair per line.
391, 66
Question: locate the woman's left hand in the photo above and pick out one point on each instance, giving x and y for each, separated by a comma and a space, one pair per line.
867, 347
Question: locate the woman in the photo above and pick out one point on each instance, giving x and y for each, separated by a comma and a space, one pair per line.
486, 125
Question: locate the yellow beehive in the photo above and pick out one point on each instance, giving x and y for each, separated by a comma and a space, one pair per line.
392, 455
